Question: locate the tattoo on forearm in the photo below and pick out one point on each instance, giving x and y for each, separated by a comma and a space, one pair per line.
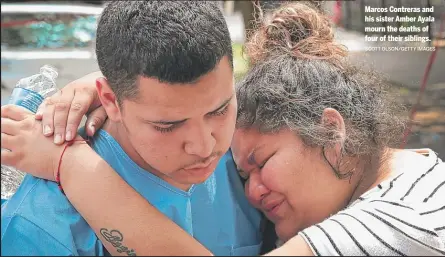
115, 238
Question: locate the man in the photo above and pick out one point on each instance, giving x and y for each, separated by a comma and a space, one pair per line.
169, 95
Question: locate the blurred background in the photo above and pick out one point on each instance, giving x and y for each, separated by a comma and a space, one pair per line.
62, 34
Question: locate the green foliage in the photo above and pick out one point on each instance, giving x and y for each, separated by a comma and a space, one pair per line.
240, 62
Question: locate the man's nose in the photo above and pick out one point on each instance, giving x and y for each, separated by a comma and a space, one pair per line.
255, 189
200, 141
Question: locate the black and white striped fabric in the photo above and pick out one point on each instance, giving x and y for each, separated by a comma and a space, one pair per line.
402, 216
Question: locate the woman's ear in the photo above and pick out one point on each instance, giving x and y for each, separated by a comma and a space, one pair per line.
108, 99
333, 121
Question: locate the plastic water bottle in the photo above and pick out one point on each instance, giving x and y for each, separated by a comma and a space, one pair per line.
29, 93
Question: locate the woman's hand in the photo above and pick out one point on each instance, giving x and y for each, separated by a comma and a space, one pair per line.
23, 145
62, 113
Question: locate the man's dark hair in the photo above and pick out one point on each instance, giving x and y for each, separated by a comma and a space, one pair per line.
173, 41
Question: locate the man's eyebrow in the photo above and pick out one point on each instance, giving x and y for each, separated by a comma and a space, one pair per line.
175, 122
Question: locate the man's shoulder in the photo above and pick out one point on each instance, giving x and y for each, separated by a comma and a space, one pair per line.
35, 193
40, 212
227, 168
229, 184
227, 161
224, 190
20, 236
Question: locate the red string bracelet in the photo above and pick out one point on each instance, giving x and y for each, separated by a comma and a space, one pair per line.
60, 161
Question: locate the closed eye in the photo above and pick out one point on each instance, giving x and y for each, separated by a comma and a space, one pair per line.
165, 128
243, 174
220, 112
263, 163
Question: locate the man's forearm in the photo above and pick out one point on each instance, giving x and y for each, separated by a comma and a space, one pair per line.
123, 220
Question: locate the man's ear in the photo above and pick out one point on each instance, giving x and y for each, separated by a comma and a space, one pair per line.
108, 99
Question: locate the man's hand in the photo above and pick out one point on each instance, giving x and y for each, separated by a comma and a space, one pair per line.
23, 145
62, 113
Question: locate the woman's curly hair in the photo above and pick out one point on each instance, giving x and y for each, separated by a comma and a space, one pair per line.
298, 70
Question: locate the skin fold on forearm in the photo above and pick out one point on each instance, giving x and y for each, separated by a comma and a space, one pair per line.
122, 219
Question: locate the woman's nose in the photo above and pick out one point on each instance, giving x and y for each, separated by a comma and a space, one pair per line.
255, 189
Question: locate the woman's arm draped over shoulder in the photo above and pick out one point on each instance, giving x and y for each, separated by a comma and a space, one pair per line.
123, 220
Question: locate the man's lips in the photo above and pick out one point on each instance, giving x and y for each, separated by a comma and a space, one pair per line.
201, 165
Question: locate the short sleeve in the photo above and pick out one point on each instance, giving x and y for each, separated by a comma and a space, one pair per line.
21, 237
375, 228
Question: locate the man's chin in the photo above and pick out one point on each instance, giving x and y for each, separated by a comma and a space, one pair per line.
188, 180
196, 181
199, 175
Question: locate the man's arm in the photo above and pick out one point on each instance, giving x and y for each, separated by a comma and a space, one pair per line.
21, 237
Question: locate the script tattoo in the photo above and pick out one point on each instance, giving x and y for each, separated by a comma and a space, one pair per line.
115, 238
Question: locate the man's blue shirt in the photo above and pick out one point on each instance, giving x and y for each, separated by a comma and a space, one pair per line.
39, 220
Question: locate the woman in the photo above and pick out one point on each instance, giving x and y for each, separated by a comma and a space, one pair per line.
315, 141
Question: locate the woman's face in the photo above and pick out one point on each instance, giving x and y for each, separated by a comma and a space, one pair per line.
291, 183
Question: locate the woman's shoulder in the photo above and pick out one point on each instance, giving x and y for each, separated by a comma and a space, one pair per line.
381, 226
402, 215
418, 178
415, 192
